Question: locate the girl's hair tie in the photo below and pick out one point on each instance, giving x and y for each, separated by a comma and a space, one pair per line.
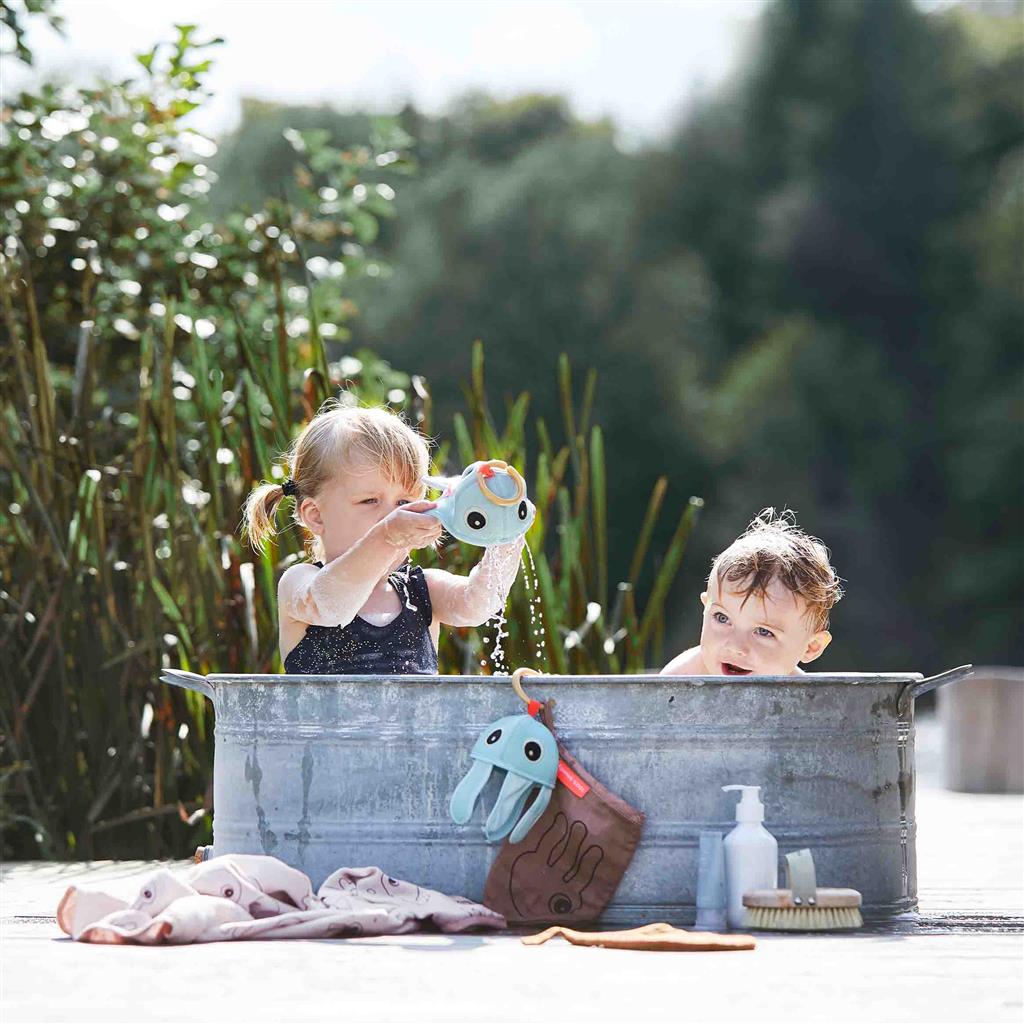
289, 487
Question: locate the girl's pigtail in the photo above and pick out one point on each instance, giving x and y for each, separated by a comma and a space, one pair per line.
258, 523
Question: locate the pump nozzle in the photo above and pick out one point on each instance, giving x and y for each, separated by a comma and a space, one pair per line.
750, 807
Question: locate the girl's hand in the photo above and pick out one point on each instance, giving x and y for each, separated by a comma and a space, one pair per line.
407, 528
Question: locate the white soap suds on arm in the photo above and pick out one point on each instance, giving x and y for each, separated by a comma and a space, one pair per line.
471, 600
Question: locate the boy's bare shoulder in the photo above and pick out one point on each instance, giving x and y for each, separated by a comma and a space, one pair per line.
689, 663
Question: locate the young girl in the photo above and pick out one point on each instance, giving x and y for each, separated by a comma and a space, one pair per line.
356, 476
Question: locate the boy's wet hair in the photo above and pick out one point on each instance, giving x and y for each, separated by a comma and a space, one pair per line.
341, 436
773, 547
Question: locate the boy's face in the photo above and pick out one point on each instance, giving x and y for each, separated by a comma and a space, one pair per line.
763, 636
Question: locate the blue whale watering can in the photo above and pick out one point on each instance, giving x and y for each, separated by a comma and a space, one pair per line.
486, 505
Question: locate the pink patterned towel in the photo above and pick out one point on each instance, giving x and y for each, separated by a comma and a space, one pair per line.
240, 896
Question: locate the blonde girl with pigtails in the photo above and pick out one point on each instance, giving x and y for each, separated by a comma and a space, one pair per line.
359, 605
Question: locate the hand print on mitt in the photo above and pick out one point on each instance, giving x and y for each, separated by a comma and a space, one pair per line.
550, 879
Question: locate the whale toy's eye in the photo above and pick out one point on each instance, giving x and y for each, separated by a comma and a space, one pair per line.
476, 520
495, 736
532, 751
523, 511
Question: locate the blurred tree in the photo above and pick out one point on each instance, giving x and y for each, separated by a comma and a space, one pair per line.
521, 230
535, 252
258, 160
857, 202
14, 17
810, 296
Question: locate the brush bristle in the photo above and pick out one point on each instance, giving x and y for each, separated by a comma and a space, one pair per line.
802, 919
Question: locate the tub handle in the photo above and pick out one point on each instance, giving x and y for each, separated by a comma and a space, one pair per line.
188, 681
912, 691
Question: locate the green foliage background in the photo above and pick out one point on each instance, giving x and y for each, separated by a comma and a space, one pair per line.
159, 355
808, 294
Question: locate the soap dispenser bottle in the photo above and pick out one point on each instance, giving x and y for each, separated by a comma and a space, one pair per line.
751, 853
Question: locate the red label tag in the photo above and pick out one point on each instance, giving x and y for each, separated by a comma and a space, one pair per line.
571, 780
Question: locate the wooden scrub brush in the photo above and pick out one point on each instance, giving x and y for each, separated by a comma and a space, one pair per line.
803, 907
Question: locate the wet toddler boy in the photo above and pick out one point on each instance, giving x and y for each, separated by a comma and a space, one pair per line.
767, 603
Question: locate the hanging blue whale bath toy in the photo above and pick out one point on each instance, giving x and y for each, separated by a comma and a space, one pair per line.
486, 505
528, 753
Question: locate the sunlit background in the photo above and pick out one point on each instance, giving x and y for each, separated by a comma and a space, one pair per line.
638, 63
784, 235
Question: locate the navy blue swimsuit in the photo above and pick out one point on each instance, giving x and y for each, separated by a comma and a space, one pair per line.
403, 646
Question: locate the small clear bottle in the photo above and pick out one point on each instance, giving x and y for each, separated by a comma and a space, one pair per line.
711, 894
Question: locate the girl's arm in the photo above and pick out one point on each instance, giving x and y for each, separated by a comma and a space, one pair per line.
333, 595
471, 600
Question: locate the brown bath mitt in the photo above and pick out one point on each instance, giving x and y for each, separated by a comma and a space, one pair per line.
569, 865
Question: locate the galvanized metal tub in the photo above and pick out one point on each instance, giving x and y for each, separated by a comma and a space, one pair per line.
332, 771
